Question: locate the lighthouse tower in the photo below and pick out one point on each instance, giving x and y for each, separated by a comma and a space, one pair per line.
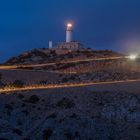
69, 45
69, 32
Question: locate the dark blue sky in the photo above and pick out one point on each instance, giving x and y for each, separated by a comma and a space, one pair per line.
100, 24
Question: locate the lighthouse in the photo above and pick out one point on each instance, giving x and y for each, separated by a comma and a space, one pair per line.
69, 45
69, 32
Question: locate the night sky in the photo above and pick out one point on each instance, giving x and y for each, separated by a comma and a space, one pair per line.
100, 24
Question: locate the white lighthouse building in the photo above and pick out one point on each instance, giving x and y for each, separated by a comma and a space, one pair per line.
69, 32
50, 44
69, 45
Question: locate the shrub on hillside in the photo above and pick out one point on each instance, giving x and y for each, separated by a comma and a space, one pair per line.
20, 96
33, 99
2, 85
66, 103
17, 84
47, 133
1, 138
64, 80
8, 109
43, 82
53, 52
17, 131
0, 76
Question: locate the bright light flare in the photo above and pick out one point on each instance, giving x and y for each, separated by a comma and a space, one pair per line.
69, 25
133, 57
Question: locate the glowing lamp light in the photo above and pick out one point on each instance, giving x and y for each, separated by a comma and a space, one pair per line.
133, 57
69, 25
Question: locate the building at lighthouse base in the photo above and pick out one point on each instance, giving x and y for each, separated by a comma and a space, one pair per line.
67, 47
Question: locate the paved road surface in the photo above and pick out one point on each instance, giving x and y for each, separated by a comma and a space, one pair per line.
128, 86
61, 62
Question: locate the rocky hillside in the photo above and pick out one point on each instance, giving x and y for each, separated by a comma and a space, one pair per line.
38, 56
70, 114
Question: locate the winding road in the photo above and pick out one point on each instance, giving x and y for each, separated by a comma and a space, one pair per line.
66, 85
8, 67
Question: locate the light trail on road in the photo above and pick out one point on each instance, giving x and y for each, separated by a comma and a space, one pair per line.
42, 71
61, 62
66, 85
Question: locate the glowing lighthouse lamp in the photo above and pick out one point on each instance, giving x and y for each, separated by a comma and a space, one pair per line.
69, 32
